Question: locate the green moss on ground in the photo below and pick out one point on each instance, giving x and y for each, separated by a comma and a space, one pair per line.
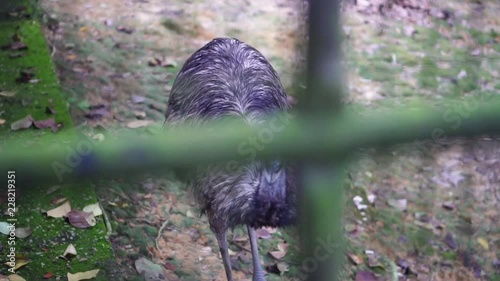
50, 236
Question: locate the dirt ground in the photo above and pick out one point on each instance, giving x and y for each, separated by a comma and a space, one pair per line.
431, 208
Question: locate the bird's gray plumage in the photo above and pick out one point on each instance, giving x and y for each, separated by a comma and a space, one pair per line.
228, 78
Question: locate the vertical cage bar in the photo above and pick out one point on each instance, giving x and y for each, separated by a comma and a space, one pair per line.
321, 182
324, 75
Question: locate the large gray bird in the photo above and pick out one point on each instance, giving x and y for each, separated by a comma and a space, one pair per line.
228, 78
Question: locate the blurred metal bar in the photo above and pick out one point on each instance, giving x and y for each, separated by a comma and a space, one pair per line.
321, 182
324, 75
128, 154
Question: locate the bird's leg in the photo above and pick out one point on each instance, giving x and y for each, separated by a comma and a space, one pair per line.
219, 227
258, 273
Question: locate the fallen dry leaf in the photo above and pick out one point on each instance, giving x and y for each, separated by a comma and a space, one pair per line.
483, 242
263, 233
283, 247
15, 277
355, 259
20, 262
71, 57
231, 252
190, 214
58, 200
139, 123
112, 204
400, 204
7, 94
94, 209
139, 114
2, 121
206, 250
282, 250
283, 267
23, 232
42, 124
271, 230
81, 219
20, 124
277, 254
240, 238
83, 275
60, 211
70, 251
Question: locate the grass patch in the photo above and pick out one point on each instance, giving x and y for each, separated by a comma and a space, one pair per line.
428, 74
50, 236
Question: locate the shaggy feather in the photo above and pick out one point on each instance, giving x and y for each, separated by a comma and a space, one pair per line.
230, 78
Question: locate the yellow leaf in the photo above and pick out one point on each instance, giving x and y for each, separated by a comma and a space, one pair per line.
19, 264
357, 260
15, 277
83, 275
483, 242
71, 57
